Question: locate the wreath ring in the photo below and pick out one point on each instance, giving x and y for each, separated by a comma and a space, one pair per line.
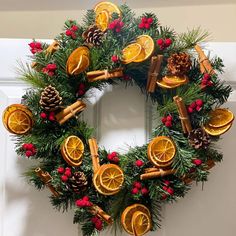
171, 69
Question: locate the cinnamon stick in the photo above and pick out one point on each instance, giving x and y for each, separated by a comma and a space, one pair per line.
70, 111
151, 169
154, 72
46, 178
183, 114
96, 210
94, 154
205, 65
104, 74
157, 174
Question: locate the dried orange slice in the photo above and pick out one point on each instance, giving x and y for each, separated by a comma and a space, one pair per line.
162, 84
128, 214
19, 122
220, 117
78, 61
72, 150
102, 20
175, 80
147, 45
217, 131
141, 223
131, 52
108, 6
111, 177
98, 186
161, 151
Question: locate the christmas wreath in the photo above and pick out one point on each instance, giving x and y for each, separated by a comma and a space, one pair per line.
172, 70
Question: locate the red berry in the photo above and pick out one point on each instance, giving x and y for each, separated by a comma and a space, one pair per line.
94, 219
86, 198
118, 29
114, 154
149, 20
163, 120
121, 24
80, 203
190, 109
206, 76
109, 157
147, 26
139, 163
73, 35
98, 225
82, 86
60, 170
43, 115
169, 118
68, 173
126, 77
25, 146
170, 191
192, 170
33, 150
81, 92
111, 26
167, 182
64, 178
28, 153
141, 25
51, 118
115, 58
164, 196
137, 185
210, 83
30, 146
168, 124
193, 105
116, 160
68, 33
168, 42
74, 28
135, 191
199, 102
144, 191
165, 188
144, 20
68, 169
197, 162
160, 42
198, 108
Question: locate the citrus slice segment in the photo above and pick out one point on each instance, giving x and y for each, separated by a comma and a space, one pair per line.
141, 223
98, 186
147, 45
131, 52
66, 157
161, 151
74, 147
19, 122
175, 80
220, 117
108, 6
78, 61
128, 213
217, 131
164, 85
111, 177
102, 20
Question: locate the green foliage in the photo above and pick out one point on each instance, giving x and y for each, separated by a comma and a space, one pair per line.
48, 136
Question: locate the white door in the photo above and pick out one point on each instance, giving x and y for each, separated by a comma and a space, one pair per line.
122, 117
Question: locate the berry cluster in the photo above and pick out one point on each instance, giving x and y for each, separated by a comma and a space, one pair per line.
206, 81
168, 189
116, 25
195, 106
115, 58
50, 116
35, 47
167, 121
50, 69
84, 202
113, 157
81, 90
29, 148
164, 43
97, 223
197, 162
72, 31
65, 173
139, 189
139, 163
145, 23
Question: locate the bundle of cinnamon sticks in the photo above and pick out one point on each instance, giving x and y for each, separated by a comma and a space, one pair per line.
69, 112
104, 74
154, 172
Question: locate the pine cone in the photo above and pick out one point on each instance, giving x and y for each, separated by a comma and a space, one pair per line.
179, 64
93, 36
198, 138
50, 99
77, 182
